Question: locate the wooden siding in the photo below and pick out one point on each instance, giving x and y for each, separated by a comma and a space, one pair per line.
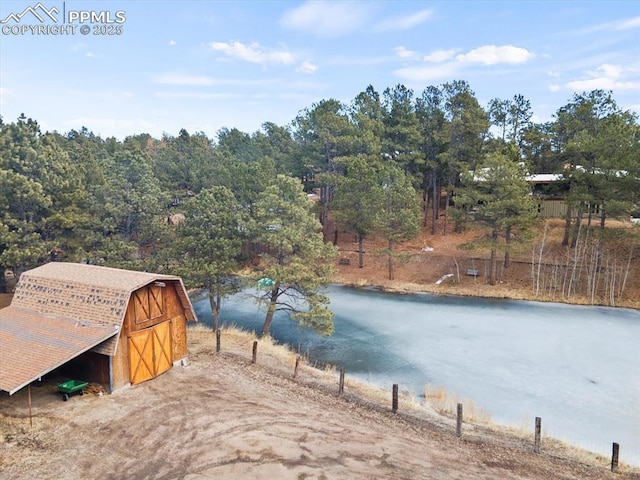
150, 307
120, 364
179, 337
552, 208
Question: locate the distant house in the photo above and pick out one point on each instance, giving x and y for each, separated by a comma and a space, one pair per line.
550, 191
113, 327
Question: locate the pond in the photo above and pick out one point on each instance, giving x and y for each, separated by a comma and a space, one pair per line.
576, 367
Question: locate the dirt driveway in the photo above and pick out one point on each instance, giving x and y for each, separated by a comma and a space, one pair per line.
224, 417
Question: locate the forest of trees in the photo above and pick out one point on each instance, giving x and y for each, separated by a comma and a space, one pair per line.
387, 164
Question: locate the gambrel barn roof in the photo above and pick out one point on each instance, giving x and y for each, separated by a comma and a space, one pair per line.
60, 310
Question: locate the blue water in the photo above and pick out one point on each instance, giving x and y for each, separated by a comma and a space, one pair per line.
576, 367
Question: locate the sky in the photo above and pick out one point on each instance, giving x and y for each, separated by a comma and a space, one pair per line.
121, 68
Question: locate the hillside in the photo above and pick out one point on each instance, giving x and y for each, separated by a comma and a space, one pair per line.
427, 258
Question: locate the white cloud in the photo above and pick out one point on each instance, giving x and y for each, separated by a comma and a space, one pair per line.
605, 77
428, 73
404, 53
626, 24
110, 97
180, 79
554, 88
189, 80
90, 55
404, 22
196, 95
601, 83
326, 18
172, 42
307, 67
253, 52
445, 64
493, 55
438, 56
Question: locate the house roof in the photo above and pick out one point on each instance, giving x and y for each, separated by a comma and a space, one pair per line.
57, 296
31, 347
544, 177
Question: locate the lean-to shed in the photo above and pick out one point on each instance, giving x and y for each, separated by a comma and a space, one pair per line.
118, 327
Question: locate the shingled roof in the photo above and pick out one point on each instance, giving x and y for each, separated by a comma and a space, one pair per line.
60, 310
31, 346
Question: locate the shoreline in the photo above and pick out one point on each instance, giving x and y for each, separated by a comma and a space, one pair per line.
436, 409
418, 393
412, 288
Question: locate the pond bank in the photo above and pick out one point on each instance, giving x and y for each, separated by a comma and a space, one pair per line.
515, 359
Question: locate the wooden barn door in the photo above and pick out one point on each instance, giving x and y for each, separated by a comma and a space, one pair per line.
162, 347
149, 352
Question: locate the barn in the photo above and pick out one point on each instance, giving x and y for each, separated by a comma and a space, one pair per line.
109, 326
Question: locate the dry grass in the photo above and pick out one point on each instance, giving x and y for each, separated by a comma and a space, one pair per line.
438, 407
446, 403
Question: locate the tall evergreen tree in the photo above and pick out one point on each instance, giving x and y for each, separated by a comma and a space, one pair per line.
296, 263
398, 217
496, 195
207, 249
358, 196
431, 119
464, 133
401, 141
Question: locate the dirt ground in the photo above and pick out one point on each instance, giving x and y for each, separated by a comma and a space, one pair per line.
222, 416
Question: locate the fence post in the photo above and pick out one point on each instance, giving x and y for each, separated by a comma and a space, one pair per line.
459, 421
255, 351
536, 443
218, 340
341, 385
394, 400
614, 457
295, 370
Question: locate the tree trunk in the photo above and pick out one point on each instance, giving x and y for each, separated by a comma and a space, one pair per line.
492, 267
390, 258
567, 225
214, 301
603, 216
446, 211
507, 239
425, 211
360, 251
436, 203
272, 309
324, 213
492, 262
576, 227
